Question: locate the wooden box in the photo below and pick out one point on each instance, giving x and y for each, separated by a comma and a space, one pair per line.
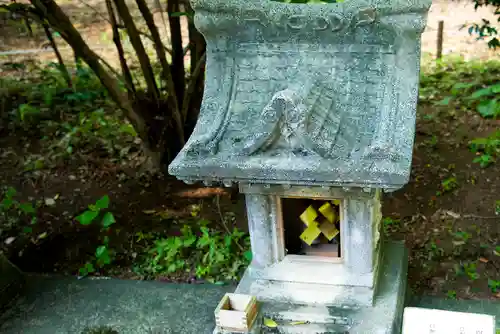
236, 313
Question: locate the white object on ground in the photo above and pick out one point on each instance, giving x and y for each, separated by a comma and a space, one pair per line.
429, 321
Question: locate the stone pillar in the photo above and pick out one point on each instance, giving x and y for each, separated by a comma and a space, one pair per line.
360, 222
261, 212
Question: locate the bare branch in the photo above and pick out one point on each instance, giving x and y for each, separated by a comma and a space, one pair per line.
172, 100
135, 39
119, 47
192, 85
62, 67
178, 71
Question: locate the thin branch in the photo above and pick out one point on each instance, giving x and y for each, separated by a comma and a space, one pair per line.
223, 222
62, 67
142, 33
192, 85
480, 217
135, 39
172, 100
119, 47
178, 71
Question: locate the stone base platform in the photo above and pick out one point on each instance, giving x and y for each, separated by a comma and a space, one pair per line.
385, 316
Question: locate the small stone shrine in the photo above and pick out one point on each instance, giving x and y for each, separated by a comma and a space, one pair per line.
310, 108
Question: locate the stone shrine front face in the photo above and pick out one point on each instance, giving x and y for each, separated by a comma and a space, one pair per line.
311, 110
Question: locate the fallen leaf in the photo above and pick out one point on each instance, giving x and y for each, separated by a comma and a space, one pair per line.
42, 236
149, 212
50, 202
458, 243
295, 323
10, 240
270, 323
484, 260
497, 295
453, 214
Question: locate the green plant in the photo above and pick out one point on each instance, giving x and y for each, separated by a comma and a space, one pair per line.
433, 250
454, 84
487, 149
448, 185
486, 100
208, 253
451, 294
460, 239
485, 30
390, 224
494, 285
93, 130
103, 254
497, 207
470, 269
12, 211
463, 237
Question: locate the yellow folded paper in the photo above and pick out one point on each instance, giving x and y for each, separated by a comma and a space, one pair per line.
328, 211
310, 233
329, 230
309, 215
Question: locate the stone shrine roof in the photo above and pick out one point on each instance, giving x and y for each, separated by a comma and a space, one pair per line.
307, 94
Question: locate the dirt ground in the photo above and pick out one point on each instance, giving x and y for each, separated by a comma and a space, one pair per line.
423, 215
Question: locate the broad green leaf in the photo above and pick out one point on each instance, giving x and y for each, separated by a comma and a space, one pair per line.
495, 88
102, 255
89, 267
463, 85
11, 192
27, 208
444, 102
489, 108
102, 203
87, 217
108, 220
129, 129
482, 92
6, 204
248, 255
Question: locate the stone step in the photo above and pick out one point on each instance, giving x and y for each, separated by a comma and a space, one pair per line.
308, 329
307, 319
312, 314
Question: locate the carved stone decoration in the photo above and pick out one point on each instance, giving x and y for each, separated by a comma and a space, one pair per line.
307, 94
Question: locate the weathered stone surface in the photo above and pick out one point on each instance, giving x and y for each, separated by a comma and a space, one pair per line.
307, 93
342, 312
62, 305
